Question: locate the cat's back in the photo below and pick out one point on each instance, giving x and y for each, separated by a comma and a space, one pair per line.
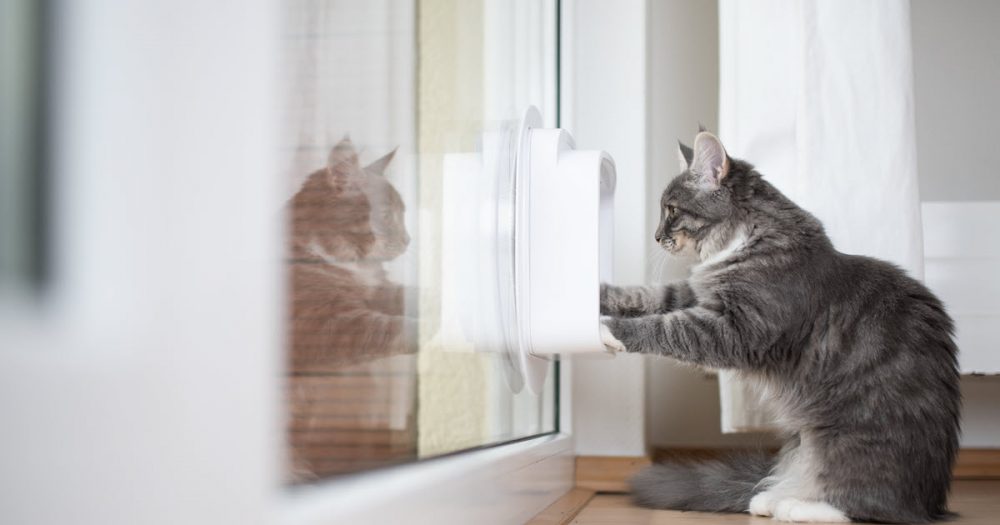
877, 315
876, 287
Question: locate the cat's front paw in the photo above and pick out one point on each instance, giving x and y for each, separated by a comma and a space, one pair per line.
610, 341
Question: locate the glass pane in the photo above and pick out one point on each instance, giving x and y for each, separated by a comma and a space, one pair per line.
399, 126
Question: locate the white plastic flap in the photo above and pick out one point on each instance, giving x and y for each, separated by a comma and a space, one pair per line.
527, 239
568, 235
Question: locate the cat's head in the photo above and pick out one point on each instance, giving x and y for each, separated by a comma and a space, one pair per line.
349, 212
699, 213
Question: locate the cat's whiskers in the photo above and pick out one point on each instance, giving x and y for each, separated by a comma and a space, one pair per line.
657, 261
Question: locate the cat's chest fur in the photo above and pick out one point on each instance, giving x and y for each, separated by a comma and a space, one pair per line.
365, 274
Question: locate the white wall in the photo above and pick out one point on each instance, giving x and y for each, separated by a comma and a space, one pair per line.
956, 69
956, 50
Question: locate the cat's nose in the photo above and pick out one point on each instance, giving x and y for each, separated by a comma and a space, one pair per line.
658, 236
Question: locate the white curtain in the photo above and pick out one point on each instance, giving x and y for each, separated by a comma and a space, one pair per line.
819, 96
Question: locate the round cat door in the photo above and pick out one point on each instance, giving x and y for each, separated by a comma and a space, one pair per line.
528, 224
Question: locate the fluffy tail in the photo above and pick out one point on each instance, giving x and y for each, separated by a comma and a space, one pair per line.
719, 485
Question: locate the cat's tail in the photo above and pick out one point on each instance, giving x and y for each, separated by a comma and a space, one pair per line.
718, 485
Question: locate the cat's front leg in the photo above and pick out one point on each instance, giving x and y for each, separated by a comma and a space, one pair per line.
697, 335
637, 301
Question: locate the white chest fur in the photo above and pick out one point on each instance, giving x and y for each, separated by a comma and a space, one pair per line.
734, 245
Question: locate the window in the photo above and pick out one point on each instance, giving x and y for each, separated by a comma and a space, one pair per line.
398, 119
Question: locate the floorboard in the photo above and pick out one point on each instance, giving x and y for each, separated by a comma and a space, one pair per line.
977, 502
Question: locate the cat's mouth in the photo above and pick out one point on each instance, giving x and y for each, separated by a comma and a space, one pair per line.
675, 243
388, 251
670, 245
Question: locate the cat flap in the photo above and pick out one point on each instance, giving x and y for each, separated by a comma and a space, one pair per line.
527, 230
567, 239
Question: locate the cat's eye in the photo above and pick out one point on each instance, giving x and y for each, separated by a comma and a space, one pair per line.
671, 211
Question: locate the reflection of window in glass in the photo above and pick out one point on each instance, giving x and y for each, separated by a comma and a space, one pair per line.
21, 130
379, 95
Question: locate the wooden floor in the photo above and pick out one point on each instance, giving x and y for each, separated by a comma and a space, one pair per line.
978, 503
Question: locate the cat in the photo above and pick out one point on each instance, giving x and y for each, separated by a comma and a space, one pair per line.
346, 316
856, 357
346, 222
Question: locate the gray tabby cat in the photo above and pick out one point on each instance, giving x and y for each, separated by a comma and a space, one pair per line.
856, 357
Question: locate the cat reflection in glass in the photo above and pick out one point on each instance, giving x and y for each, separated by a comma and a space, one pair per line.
349, 404
346, 223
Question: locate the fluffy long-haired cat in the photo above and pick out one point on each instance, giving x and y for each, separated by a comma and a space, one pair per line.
856, 357
346, 317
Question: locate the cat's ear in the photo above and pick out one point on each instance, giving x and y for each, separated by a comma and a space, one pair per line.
684, 156
710, 163
343, 158
378, 167
701, 128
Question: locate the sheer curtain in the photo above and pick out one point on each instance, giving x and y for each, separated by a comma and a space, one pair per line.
819, 96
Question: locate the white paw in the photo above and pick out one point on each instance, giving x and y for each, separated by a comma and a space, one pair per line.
791, 509
762, 504
610, 341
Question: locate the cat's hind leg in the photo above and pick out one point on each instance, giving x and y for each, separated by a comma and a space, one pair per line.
762, 504
796, 510
793, 492
767, 503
